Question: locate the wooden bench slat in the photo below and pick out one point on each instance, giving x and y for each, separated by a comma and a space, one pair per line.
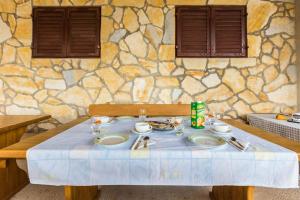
133, 109
19, 149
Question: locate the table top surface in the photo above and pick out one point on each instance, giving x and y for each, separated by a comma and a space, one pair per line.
71, 158
11, 122
19, 149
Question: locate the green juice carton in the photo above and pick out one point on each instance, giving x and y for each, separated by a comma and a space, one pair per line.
198, 114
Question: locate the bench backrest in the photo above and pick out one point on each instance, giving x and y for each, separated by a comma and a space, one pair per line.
133, 109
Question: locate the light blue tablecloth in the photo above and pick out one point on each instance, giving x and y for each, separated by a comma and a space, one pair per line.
71, 158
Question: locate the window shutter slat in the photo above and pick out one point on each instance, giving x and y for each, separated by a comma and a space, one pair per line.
49, 33
83, 32
192, 31
228, 31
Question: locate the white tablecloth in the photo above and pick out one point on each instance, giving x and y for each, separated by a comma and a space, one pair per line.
71, 158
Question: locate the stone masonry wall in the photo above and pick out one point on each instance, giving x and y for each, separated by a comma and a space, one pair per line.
138, 62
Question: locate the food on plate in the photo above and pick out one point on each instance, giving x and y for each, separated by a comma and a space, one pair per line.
158, 125
98, 121
282, 117
175, 120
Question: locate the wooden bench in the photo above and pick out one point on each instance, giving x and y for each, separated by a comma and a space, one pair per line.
85, 193
12, 127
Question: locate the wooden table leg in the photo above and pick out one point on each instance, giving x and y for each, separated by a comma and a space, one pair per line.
12, 178
232, 193
81, 192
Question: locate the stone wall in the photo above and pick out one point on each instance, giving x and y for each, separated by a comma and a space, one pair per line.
297, 7
138, 62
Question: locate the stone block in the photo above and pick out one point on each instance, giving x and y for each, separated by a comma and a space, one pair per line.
131, 3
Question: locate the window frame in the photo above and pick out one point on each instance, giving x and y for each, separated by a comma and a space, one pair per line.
66, 32
244, 33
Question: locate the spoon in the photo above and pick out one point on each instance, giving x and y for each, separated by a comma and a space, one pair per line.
235, 140
146, 139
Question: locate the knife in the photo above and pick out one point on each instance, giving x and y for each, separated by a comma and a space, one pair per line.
136, 143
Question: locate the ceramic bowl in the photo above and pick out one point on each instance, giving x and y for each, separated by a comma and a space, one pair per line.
142, 127
220, 127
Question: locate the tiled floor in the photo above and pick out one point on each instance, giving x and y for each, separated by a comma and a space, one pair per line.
36, 192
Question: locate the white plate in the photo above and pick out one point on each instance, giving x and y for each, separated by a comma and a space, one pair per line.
110, 121
111, 140
229, 132
125, 117
141, 133
206, 141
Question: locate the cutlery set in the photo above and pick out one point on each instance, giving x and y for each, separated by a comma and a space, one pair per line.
238, 145
141, 142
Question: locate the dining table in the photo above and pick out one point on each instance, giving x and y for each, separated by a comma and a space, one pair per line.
12, 127
68, 156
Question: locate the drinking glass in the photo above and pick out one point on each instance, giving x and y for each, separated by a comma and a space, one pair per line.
142, 114
99, 131
210, 119
96, 129
219, 116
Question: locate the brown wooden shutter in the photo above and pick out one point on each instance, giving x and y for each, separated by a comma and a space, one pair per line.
49, 39
228, 31
83, 32
192, 31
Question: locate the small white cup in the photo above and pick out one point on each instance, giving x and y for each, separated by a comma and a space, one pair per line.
296, 117
142, 127
220, 127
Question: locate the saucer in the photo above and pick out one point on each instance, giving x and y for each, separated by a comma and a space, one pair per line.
293, 120
141, 133
114, 140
